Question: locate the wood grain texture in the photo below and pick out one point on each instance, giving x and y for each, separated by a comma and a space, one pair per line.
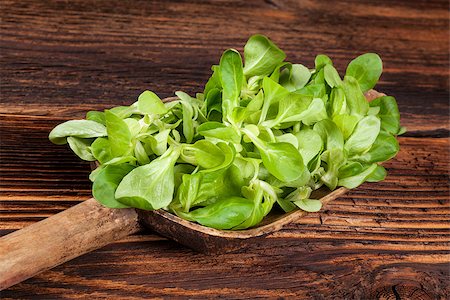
59, 59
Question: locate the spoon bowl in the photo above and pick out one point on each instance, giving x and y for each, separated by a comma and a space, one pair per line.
209, 240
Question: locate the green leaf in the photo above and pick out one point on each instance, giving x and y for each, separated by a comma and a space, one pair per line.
150, 186
101, 150
188, 124
338, 104
106, 183
120, 160
332, 76
313, 90
188, 191
213, 81
205, 187
261, 56
150, 103
219, 131
356, 102
232, 78
97, 116
140, 154
366, 69
389, 115
275, 76
223, 214
357, 179
318, 77
363, 136
94, 173
287, 138
384, 148
291, 108
273, 93
282, 160
76, 128
378, 174
330, 134
309, 205
119, 135
321, 61
81, 147
299, 108
157, 142
316, 112
285, 205
309, 144
294, 77
124, 111
208, 155
263, 196
213, 102
133, 126
256, 103
346, 124
334, 159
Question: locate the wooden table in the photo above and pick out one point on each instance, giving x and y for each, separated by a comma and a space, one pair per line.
387, 240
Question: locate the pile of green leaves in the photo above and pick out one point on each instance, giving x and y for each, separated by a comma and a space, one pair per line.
263, 133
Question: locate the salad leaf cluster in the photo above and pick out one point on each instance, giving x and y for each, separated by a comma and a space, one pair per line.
263, 133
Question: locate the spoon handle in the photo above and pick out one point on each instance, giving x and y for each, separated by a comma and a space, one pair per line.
62, 237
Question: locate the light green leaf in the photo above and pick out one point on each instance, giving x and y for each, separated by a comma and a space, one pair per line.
309, 144
309, 205
356, 102
294, 77
223, 214
150, 186
332, 76
119, 135
76, 128
81, 147
282, 160
261, 56
273, 93
334, 159
384, 148
219, 131
389, 115
140, 154
106, 183
346, 124
366, 69
338, 104
97, 116
363, 136
150, 103
101, 150
330, 134
321, 61
378, 174
357, 179
263, 196
232, 79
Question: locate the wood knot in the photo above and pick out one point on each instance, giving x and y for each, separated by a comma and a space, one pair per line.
402, 292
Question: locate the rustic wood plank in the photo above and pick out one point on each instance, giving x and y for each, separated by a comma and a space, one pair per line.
60, 59
317, 267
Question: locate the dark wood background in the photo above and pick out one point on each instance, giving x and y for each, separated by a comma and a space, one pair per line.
60, 59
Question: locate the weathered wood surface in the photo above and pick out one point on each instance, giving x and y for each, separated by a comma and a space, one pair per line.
59, 59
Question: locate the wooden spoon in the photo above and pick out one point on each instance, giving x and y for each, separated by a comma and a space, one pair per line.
89, 226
